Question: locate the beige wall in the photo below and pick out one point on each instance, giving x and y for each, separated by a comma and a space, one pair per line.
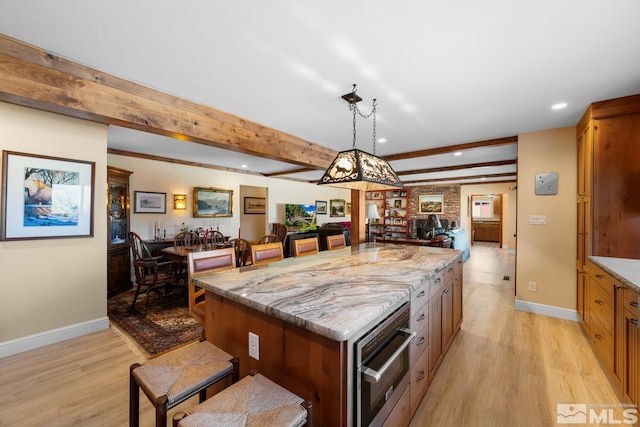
149, 175
52, 283
547, 254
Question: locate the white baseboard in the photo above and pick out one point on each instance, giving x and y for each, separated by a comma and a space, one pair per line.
53, 336
547, 310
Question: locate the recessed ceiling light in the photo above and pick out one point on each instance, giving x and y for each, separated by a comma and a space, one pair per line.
382, 140
559, 106
458, 153
245, 166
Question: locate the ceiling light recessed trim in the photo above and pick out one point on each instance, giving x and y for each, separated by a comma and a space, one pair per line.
559, 106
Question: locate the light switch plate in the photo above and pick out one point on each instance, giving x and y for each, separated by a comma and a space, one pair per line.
547, 183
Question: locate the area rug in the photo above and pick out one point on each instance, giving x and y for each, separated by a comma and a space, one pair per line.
166, 326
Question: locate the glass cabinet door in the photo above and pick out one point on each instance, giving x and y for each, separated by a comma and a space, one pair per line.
118, 212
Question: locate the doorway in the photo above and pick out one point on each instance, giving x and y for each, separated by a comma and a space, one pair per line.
486, 218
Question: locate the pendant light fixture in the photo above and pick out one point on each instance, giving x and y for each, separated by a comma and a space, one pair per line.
356, 169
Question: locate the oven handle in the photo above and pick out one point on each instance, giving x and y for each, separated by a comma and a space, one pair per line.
371, 375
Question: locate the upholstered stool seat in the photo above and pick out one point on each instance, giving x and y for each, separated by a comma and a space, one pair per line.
176, 376
253, 401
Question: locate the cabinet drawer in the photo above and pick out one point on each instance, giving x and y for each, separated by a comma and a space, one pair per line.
631, 301
419, 323
419, 380
401, 414
601, 305
602, 340
419, 297
436, 282
602, 277
450, 273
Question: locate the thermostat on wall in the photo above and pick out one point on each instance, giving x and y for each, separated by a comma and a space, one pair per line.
547, 183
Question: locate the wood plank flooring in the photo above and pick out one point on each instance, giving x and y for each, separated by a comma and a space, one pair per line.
505, 368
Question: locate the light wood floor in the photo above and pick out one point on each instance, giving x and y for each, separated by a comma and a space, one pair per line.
505, 368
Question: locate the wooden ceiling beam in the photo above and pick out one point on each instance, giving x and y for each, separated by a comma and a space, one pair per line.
459, 178
32, 77
452, 148
459, 167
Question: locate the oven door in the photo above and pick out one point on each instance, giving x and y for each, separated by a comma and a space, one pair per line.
382, 379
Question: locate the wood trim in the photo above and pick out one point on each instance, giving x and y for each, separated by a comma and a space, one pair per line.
455, 178
460, 167
32, 77
452, 148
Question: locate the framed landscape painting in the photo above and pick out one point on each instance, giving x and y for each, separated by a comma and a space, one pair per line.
46, 197
430, 204
212, 202
321, 207
337, 207
149, 202
255, 205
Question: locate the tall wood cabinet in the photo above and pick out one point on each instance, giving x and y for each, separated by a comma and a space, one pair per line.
118, 254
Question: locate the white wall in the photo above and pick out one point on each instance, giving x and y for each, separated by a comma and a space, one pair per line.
47, 284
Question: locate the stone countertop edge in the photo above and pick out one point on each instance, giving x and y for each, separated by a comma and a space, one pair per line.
331, 309
625, 270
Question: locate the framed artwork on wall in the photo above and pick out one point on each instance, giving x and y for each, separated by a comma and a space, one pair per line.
337, 207
149, 202
321, 207
255, 205
46, 197
430, 204
212, 202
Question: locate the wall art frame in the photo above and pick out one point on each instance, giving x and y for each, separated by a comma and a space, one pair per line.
45, 197
337, 208
431, 204
212, 202
255, 205
149, 202
321, 207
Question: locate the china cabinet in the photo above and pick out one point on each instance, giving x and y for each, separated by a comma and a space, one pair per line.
118, 257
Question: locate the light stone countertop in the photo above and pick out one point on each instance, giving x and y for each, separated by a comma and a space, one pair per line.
625, 270
334, 293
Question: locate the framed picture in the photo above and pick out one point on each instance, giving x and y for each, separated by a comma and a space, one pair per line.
430, 204
46, 197
403, 193
212, 202
397, 203
397, 221
337, 207
321, 207
255, 205
376, 195
348, 208
149, 202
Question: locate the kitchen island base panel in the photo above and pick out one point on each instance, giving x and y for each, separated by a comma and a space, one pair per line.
299, 360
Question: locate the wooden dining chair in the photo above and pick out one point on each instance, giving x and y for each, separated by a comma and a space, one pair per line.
243, 250
186, 238
336, 242
269, 238
152, 274
215, 239
281, 231
304, 247
266, 253
206, 263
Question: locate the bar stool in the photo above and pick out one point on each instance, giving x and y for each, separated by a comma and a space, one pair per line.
254, 400
174, 377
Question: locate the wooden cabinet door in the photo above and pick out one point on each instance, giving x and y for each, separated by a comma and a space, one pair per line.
447, 315
435, 333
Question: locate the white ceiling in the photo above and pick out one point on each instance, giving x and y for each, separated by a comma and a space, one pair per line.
443, 72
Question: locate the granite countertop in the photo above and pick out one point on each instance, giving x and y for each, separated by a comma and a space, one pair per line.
336, 293
625, 270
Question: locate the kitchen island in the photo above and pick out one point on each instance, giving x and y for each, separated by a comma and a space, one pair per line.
309, 311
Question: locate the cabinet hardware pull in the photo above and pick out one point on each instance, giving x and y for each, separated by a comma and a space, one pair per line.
633, 304
599, 276
420, 341
445, 290
421, 294
420, 377
633, 321
598, 337
421, 318
599, 301
438, 280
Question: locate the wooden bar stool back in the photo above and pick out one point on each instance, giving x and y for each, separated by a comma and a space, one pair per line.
336, 242
266, 253
174, 377
253, 401
306, 246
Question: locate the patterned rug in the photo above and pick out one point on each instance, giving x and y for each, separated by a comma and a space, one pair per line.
166, 326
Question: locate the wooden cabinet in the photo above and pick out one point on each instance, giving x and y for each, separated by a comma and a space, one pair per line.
601, 314
486, 231
118, 256
393, 209
627, 370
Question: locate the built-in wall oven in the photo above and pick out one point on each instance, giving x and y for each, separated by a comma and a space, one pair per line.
382, 368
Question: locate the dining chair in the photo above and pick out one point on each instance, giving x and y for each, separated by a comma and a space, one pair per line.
201, 264
214, 239
304, 247
151, 273
336, 241
266, 253
280, 230
186, 238
269, 238
243, 250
